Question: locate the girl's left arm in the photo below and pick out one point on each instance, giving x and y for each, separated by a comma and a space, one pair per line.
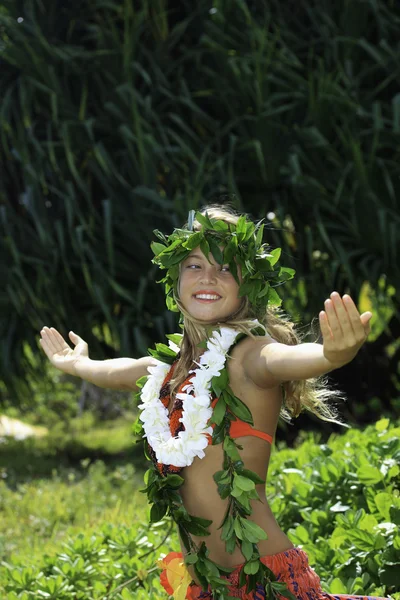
344, 331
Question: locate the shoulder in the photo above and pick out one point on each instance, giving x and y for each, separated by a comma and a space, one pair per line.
251, 353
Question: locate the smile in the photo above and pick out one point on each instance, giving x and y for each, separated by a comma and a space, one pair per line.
207, 297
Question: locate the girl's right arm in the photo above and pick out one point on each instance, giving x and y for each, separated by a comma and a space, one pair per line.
115, 374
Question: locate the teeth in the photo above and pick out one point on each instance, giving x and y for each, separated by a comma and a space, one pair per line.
207, 297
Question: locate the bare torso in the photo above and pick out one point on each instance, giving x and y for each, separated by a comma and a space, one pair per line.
199, 491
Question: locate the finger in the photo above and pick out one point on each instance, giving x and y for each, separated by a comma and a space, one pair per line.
341, 313
45, 348
324, 326
47, 336
75, 338
57, 343
59, 339
366, 321
333, 321
356, 321
43, 345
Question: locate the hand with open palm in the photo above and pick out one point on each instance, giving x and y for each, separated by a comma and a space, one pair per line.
343, 329
60, 354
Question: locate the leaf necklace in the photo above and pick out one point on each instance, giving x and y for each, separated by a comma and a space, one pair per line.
234, 481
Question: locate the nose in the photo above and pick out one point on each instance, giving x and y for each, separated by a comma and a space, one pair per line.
209, 274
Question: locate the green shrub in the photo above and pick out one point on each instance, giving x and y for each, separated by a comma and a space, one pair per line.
339, 501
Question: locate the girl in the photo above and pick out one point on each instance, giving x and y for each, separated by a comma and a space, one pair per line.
210, 404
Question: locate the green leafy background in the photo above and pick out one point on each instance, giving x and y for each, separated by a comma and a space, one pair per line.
87, 531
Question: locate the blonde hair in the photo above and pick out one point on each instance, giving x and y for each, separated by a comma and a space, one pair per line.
312, 395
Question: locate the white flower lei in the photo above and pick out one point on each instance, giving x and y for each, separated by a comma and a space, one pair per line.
181, 450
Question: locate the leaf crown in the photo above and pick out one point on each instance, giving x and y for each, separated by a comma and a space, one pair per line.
242, 245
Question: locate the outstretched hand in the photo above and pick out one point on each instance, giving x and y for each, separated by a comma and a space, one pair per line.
60, 354
343, 329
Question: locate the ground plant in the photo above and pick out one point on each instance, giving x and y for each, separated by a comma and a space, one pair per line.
83, 533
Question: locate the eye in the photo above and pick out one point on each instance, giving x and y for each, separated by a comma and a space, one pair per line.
190, 266
225, 268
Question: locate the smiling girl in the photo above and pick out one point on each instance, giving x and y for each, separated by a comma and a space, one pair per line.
211, 402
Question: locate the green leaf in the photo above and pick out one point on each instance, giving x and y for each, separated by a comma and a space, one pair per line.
171, 304
193, 241
260, 233
164, 349
218, 434
361, 539
383, 502
222, 477
243, 483
229, 252
263, 265
196, 528
247, 549
236, 492
282, 589
234, 270
150, 476
221, 226
238, 528
141, 381
176, 338
230, 545
227, 528
224, 490
205, 248
241, 228
191, 559
201, 521
251, 475
253, 529
204, 220
230, 449
275, 255
184, 536
215, 250
211, 568
157, 512
273, 297
369, 475
219, 411
252, 567
220, 382
157, 248
243, 500
239, 408
382, 425
174, 481
172, 247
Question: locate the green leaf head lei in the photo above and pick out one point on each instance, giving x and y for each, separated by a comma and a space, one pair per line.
242, 246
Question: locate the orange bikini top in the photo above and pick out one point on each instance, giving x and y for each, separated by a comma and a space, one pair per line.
238, 428
241, 429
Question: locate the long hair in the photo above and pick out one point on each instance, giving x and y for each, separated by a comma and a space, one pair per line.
312, 395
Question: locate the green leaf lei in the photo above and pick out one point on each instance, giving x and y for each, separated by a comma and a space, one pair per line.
233, 482
242, 246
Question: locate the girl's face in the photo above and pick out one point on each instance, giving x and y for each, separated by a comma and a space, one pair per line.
207, 291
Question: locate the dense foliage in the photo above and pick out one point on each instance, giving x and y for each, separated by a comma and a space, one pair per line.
117, 117
83, 532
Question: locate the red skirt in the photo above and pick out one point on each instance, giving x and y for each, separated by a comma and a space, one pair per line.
291, 567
